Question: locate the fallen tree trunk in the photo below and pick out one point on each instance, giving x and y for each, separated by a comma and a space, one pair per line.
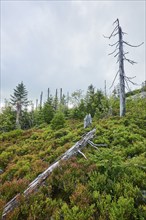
43, 176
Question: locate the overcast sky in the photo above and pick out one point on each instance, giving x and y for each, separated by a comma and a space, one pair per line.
60, 44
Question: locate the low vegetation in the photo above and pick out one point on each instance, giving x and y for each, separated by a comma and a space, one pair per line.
110, 184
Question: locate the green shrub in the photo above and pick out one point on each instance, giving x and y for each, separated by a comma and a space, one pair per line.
10, 135
7, 119
58, 121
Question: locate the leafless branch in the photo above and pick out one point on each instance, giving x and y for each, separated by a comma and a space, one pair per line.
126, 53
112, 34
116, 54
80, 152
132, 45
124, 33
130, 77
95, 145
113, 44
127, 79
115, 34
130, 61
105, 36
115, 29
128, 88
113, 51
114, 79
117, 60
117, 46
116, 21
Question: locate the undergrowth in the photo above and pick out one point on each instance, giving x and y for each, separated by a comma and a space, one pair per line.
110, 184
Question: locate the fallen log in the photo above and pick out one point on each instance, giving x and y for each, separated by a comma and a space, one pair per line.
32, 187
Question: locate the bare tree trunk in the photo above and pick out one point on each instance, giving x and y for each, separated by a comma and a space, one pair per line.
48, 94
41, 99
36, 103
60, 95
18, 126
75, 149
105, 88
67, 99
122, 75
56, 101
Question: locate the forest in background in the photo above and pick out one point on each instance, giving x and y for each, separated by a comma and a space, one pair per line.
19, 112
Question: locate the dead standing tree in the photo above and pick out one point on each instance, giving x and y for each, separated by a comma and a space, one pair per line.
121, 57
41, 100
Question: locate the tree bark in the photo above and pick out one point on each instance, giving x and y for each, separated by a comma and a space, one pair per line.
122, 75
75, 149
61, 96
41, 100
48, 94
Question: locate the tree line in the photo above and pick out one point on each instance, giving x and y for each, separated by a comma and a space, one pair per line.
16, 114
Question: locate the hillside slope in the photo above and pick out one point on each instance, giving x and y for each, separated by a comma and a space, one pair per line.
110, 184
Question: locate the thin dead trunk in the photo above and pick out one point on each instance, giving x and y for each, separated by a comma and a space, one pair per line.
122, 75
105, 93
48, 94
60, 95
36, 103
41, 99
56, 100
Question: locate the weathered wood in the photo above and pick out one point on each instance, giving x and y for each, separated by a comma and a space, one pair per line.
61, 95
122, 74
87, 120
33, 186
41, 99
48, 94
36, 104
95, 145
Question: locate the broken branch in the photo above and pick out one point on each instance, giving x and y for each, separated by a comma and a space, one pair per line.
132, 45
114, 79
113, 51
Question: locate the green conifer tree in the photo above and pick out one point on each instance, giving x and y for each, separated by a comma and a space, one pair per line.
48, 112
19, 100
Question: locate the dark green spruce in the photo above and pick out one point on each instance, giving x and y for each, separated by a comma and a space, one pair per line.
19, 100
